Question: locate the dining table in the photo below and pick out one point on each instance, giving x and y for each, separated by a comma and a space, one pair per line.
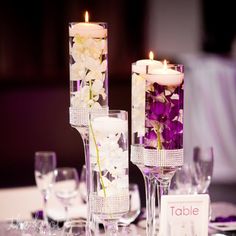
20, 204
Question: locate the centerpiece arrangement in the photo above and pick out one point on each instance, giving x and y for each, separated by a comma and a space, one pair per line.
157, 126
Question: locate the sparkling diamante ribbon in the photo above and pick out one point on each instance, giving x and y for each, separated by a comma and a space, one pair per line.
80, 116
118, 204
158, 158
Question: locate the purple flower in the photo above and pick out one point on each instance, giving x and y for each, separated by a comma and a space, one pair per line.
158, 89
162, 113
176, 142
174, 112
168, 134
175, 125
157, 108
151, 135
150, 139
158, 111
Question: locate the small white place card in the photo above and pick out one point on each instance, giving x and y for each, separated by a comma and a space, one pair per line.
184, 215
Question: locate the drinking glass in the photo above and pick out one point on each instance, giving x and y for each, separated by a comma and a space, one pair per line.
203, 160
75, 228
183, 180
109, 173
65, 186
44, 165
134, 206
82, 184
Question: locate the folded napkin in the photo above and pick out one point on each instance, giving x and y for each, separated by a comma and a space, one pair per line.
231, 218
223, 217
223, 212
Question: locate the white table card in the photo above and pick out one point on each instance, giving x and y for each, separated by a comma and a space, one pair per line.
184, 215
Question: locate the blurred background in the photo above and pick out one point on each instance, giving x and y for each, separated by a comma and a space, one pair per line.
34, 68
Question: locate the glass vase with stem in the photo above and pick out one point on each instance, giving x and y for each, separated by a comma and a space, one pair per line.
88, 82
82, 185
157, 122
134, 206
109, 176
163, 142
65, 186
150, 191
44, 164
139, 88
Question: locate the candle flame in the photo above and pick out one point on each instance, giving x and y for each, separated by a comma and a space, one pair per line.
151, 55
165, 65
86, 17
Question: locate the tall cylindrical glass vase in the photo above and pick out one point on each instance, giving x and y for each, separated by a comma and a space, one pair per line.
164, 107
109, 172
88, 79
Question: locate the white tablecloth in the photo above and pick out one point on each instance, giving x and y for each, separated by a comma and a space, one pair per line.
19, 203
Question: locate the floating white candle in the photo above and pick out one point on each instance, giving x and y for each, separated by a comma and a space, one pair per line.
88, 29
109, 125
165, 76
146, 65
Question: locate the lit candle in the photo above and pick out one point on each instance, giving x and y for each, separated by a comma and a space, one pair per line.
165, 76
109, 125
88, 29
145, 65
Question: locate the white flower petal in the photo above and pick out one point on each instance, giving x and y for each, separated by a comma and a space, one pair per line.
103, 66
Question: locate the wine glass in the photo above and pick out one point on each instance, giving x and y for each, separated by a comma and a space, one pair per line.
65, 186
84, 197
82, 184
203, 160
44, 165
183, 180
134, 206
75, 228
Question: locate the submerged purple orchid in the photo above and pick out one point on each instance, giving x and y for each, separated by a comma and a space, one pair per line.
164, 112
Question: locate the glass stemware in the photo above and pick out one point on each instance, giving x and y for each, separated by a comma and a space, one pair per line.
44, 165
137, 145
203, 160
109, 193
184, 180
75, 228
82, 184
65, 186
134, 206
157, 128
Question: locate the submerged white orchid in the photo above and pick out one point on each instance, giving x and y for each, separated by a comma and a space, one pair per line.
88, 69
109, 154
88, 46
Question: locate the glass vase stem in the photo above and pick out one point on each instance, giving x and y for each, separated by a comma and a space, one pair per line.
150, 190
84, 132
45, 200
111, 228
66, 213
163, 187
